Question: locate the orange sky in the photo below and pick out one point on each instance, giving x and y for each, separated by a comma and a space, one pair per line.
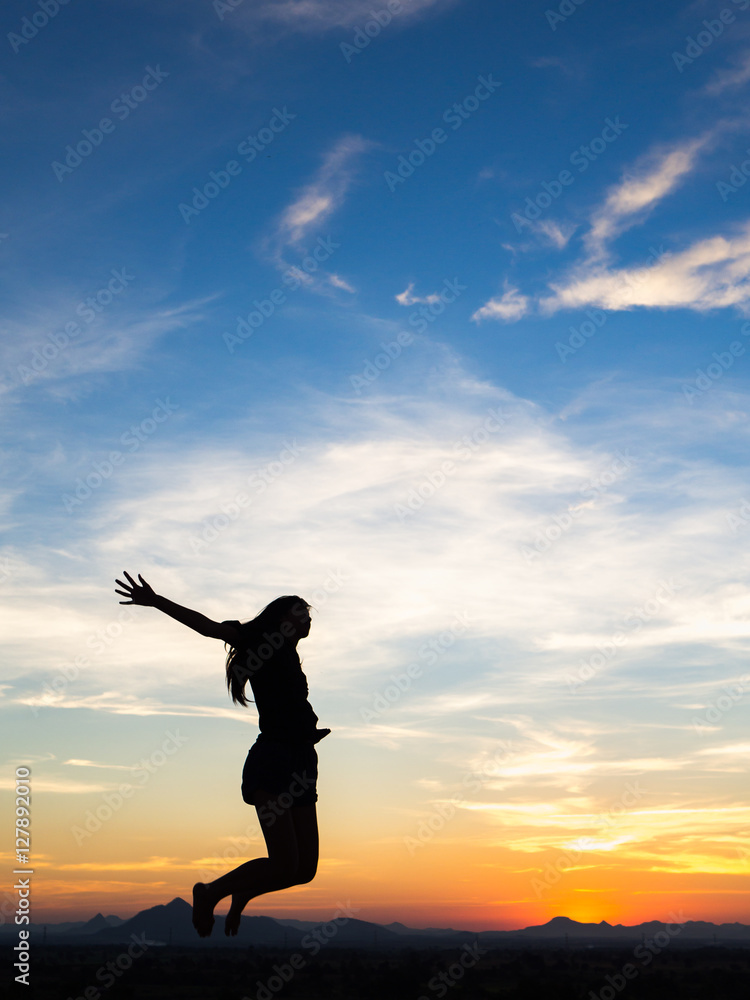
463, 875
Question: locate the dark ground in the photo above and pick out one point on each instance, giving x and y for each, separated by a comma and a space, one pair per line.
68, 972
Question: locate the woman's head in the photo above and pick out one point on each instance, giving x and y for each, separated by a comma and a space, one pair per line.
278, 627
292, 616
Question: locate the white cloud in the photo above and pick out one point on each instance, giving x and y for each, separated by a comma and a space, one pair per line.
713, 273
40, 352
323, 195
553, 232
727, 78
510, 306
92, 763
547, 232
338, 282
406, 298
386, 587
313, 207
326, 15
413, 574
652, 180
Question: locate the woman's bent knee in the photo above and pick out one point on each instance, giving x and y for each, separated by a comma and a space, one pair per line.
305, 875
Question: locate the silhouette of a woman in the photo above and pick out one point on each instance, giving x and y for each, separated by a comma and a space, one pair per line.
281, 770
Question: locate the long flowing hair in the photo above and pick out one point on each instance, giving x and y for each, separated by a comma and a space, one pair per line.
255, 649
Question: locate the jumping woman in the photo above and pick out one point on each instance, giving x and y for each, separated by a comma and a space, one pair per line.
281, 770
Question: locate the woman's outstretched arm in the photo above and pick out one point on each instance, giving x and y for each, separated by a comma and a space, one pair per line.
144, 595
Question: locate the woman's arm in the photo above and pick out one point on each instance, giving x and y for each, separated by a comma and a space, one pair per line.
144, 595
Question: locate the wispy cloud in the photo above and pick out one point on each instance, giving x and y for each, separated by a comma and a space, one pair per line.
571, 67
651, 180
338, 282
727, 78
41, 353
315, 204
511, 305
59, 786
460, 550
93, 763
553, 232
407, 298
711, 273
324, 194
326, 15
349, 482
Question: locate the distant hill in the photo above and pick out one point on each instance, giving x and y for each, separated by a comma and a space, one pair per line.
98, 923
560, 929
172, 924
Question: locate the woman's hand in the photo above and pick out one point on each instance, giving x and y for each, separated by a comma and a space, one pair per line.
142, 594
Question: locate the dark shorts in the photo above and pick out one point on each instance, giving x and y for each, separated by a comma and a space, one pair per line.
288, 770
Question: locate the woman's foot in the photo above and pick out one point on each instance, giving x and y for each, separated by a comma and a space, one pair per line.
203, 911
233, 917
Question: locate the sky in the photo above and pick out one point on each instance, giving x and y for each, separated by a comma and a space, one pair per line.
437, 314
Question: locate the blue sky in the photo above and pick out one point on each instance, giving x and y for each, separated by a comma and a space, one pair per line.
511, 384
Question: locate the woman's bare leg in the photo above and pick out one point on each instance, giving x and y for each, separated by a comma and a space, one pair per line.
292, 844
304, 821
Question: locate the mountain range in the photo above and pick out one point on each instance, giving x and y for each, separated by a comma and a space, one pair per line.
172, 924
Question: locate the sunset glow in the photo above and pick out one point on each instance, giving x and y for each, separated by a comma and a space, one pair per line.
458, 351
